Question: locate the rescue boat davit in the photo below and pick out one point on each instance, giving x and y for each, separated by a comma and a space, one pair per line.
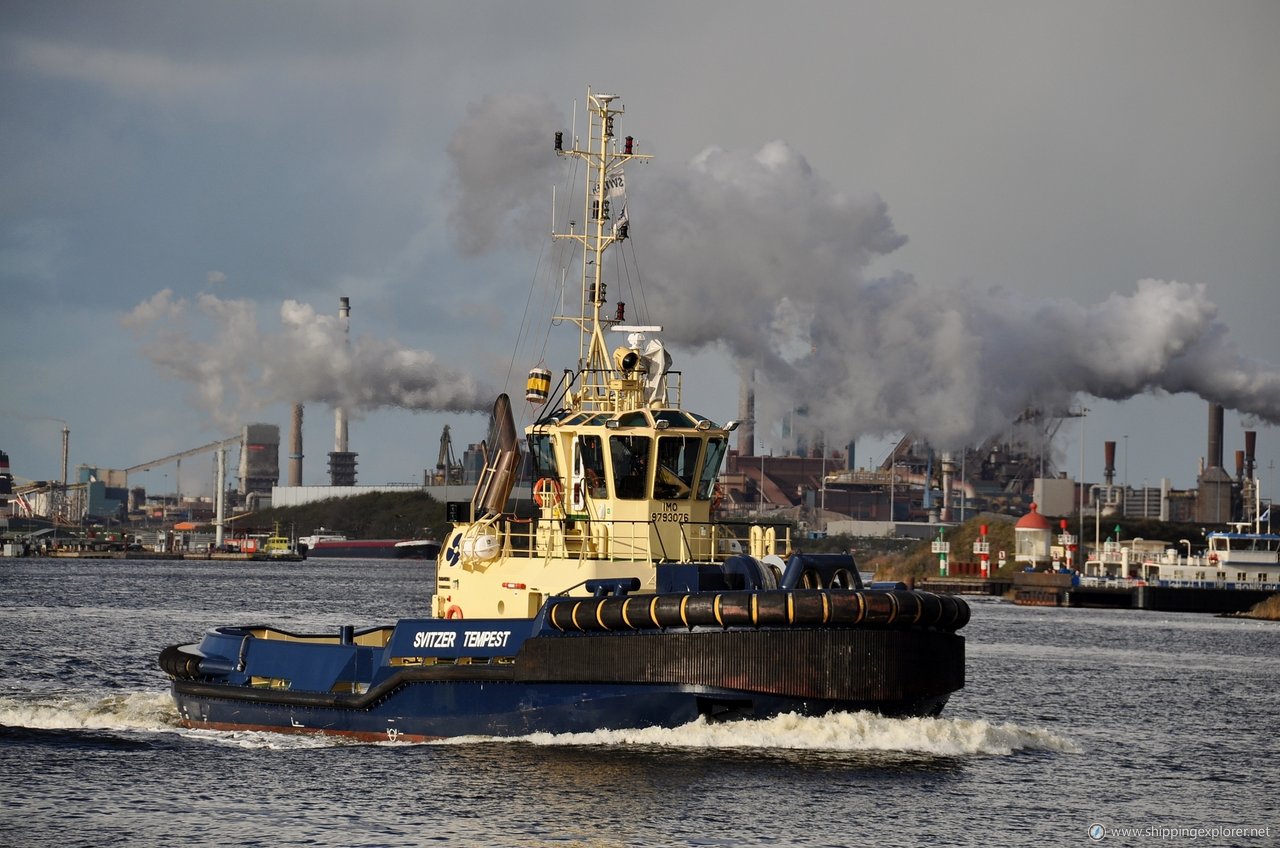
622, 603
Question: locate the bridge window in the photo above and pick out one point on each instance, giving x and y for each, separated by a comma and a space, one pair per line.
711, 467
630, 457
543, 454
674, 418
591, 465
677, 459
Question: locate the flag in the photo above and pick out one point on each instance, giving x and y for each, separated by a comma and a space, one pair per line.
616, 198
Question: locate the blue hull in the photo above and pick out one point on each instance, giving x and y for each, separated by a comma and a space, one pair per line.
428, 711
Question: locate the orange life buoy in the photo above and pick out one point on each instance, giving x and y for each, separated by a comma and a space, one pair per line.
548, 492
454, 611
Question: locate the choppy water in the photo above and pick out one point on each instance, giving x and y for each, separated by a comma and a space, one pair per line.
1070, 718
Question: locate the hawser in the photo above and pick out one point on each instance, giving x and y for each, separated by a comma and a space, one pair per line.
621, 601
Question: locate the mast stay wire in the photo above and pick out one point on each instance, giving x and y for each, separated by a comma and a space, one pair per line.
524, 337
564, 255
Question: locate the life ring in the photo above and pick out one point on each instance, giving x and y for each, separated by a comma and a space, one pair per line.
548, 492
454, 611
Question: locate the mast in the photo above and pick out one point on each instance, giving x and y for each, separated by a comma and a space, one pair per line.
601, 229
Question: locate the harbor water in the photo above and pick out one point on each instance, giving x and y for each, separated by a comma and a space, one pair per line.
1148, 728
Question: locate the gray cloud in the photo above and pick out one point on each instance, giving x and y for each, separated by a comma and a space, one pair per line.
503, 171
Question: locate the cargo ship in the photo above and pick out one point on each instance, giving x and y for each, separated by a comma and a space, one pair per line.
328, 544
622, 602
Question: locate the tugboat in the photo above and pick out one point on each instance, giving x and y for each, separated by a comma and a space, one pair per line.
622, 602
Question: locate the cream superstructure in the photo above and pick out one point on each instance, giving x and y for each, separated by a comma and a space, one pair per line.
624, 478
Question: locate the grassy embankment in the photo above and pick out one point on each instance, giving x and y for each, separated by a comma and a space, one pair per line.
377, 515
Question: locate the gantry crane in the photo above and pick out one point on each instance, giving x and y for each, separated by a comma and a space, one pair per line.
178, 457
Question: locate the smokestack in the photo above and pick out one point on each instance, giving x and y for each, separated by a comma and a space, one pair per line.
1240, 466
948, 473
220, 499
295, 447
1213, 458
340, 414
1109, 466
1250, 455
747, 415
342, 463
66, 452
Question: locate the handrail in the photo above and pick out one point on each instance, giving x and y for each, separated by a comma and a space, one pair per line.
628, 540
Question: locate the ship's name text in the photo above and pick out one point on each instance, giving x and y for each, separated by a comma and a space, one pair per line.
470, 639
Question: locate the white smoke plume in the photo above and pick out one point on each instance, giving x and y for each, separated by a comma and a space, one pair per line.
236, 368
756, 252
503, 144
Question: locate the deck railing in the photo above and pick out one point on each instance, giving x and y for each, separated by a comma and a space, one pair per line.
630, 541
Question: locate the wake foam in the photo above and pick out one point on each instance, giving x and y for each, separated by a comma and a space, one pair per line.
258, 740
134, 711
154, 712
837, 732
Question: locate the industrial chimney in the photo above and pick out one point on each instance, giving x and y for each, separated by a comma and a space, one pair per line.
747, 415
1213, 459
1109, 466
1213, 494
295, 447
948, 476
342, 463
340, 414
1250, 455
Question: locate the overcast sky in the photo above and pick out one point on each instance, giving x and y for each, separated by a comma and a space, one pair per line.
926, 214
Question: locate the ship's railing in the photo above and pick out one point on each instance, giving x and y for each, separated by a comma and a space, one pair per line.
1216, 584
606, 392
1111, 581
635, 540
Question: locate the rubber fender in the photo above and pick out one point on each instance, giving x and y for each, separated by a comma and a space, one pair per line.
178, 663
755, 574
777, 608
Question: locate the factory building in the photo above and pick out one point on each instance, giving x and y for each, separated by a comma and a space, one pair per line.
259, 459
916, 485
6, 490
106, 496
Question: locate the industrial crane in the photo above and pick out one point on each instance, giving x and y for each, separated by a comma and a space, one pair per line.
178, 457
448, 469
